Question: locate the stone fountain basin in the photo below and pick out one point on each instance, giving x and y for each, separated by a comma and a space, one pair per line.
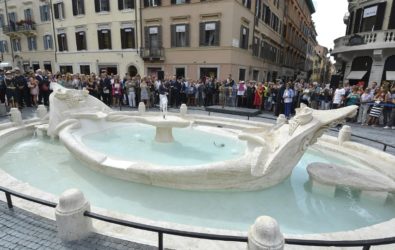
227, 174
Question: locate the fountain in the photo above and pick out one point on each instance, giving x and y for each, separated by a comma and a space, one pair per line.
229, 167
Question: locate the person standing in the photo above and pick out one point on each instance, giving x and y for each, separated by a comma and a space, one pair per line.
338, 97
43, 85
366, 98
22, 89
288, 99
106, 88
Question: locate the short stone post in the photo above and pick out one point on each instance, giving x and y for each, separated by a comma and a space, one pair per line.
344, 134
71, 222
16, 116
141, 108
281, 119
265, 235
42, 111
183, 109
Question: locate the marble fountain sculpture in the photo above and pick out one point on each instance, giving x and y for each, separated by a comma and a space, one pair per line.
270, 153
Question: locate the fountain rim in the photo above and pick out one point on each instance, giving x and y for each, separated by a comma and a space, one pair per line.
378, 230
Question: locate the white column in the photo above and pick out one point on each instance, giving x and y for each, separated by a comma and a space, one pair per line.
344, 134
265, 234
71, 222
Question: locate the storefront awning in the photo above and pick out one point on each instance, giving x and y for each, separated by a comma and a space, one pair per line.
390, 75
356, 75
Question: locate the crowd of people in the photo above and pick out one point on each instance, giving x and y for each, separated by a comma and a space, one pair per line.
376, 102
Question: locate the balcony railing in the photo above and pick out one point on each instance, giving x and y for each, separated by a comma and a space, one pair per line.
153, 53
365, 40
14, 29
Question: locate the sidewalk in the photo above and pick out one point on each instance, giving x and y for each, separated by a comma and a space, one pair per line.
20, 229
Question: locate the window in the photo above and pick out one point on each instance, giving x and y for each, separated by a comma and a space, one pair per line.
127, 38
28, 14
125, 4
12, 21
62, 42
210, 34
3, 46
152, 3
244, 37
44, 13
85, 69
58, 10
102, 5
80, 39
16, 44
180, 35
32, 43
266, 14
78, 7
64, 69
247, 3
242, 74
255, 47
47, 66
153, 37
2, 23
179, 1
258, 9
180, 72
104, 37
47, 39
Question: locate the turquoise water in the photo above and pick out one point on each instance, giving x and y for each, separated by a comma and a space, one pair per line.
135, 142
50, 167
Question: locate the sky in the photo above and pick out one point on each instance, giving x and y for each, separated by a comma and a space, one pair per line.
328, 20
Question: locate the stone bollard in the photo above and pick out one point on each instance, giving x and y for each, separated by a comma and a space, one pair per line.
344, 134
71, 222
265, 235
141, 108
183, 109
16, 116
42, 111
281, 119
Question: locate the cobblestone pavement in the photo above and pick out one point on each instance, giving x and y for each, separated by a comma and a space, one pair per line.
20, 229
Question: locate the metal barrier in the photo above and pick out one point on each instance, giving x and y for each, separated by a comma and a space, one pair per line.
365, 244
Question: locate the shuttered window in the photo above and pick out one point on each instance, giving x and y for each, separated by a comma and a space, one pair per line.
153, 37
128, 38
391, 22
59, 10
210, 34
104, 37
47, 41
350, 23
31, 43
3, 46
78, 7
44, 13
358, 16
152, 3
180, 1
102, 5
244, 32
180, 35
125, 4
80, 39
62, 42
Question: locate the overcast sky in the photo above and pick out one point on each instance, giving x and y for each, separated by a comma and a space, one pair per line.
328, 19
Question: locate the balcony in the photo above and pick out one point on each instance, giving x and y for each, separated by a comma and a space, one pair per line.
152, 54
365, 41
15, 30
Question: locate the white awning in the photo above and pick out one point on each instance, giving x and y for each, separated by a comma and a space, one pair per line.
390, 75
356, 75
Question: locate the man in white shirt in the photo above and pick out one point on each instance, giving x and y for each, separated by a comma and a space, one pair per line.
338, 97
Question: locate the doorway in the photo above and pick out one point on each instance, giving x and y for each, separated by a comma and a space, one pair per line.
132, 71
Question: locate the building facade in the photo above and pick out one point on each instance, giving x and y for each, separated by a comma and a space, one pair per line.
298, 32
367, 52
262, 40
75, 36
322, 66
